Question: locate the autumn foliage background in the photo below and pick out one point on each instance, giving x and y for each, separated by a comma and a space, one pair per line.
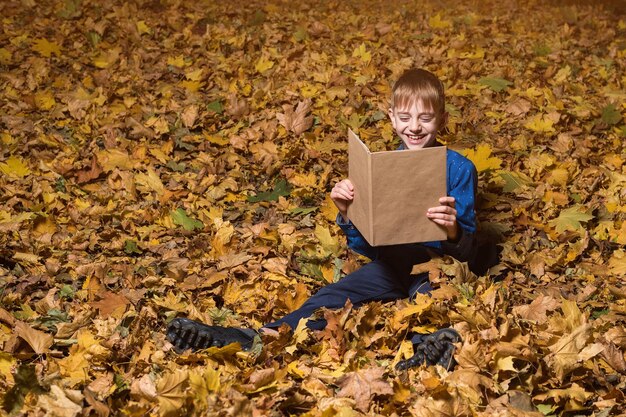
169, 158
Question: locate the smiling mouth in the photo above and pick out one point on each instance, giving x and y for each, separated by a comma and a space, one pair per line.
415, 138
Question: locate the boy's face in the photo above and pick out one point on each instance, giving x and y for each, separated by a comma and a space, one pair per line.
417, 125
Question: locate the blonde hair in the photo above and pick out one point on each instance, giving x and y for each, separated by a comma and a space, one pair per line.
418, 84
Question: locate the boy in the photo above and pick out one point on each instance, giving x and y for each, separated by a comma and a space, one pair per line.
417, 114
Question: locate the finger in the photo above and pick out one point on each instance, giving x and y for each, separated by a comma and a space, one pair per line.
447, 201
444, 222
342, 191
343, 195
345, 184
441, 210
348, 184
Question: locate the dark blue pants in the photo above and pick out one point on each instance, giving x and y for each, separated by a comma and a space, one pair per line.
387, 278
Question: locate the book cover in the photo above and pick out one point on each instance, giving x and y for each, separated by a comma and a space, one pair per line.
393, 190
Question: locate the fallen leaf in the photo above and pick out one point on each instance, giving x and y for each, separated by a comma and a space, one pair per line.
39, 341
363, 385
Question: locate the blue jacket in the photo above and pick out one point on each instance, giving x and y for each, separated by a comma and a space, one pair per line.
462, 182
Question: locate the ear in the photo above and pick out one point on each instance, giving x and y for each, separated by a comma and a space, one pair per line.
393, 119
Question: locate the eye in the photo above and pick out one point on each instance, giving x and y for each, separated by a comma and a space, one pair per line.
426, 118
404, 119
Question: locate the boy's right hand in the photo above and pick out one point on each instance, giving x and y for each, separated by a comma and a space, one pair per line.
342, 195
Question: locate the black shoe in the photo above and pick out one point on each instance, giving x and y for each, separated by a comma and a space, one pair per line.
189, 334
433, 349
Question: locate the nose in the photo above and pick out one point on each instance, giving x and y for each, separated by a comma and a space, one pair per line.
414, 125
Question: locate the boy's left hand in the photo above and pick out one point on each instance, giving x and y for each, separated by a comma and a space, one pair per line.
445, 215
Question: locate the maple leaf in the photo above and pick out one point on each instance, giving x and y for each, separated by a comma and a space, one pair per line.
496, 84
263, 64
107, 58
363, 385
111, 304
565, 353
296, 121
436, 22
514, 180
570, 219
611, 115
281, 189
44, 100
171, 392
15, 167
540, 123
46, 48
202, 382
537, 309
90, 173
58, 402
362, 53
39, 341
482, 159
181, 218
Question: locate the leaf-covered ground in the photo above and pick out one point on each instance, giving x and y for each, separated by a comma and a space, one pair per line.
170, 158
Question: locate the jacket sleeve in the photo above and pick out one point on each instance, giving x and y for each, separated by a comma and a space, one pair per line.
356, 241
463, 184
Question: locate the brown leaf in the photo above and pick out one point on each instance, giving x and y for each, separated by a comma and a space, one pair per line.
111, 304
537, 309
518, 107
614, 357
90, 173
39, 341
564, 357
60, 402
237, 107
296, 121
189, 115
363, 385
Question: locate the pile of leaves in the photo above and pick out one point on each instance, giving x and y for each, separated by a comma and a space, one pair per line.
166, 158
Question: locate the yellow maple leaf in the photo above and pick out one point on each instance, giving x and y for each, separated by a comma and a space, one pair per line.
202, 383
304, 180
5, 56
436, 22
171, 392
482, 159
617, 263
6, 138
558, 176
14, 167
479, 53
150, 182
328, 209
263, 64
142, 27
109, 159
191, 86
362, 53
540, 123
44, 100
106, 58
328, 242
7, 365
46, 48
195, 75
563, 74
177, 61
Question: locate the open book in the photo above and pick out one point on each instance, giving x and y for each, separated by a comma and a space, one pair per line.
393, 190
